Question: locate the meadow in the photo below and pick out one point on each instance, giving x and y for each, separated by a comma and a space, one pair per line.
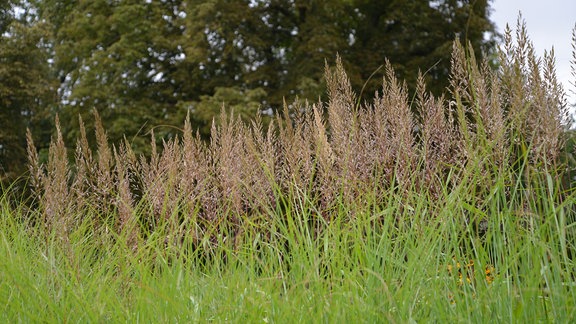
404, 209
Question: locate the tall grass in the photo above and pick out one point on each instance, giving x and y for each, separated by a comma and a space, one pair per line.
423, 208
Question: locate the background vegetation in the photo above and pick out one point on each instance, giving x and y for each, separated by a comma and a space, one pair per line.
146, 64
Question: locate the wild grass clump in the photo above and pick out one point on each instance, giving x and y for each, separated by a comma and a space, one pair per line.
508, 121
393, 209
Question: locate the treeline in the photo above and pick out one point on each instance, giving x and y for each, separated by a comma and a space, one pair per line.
146, 64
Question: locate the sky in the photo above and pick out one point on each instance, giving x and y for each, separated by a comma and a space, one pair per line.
549, 24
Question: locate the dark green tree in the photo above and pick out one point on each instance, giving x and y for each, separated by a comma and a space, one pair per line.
118, 57
417, 35
27, 87
147, 63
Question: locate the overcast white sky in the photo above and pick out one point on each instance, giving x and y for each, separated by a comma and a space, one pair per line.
549, 23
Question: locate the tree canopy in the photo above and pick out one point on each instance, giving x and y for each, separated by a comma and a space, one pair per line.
147, 63
27, 87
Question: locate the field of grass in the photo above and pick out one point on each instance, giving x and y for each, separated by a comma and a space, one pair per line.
402, 210
369, 269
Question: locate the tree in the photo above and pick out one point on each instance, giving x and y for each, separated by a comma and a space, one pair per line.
117, 57
27, 89
147, 63
6, 15
418, 35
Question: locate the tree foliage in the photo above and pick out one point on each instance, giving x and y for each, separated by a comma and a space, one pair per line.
418, 35
144, 64
27, 89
